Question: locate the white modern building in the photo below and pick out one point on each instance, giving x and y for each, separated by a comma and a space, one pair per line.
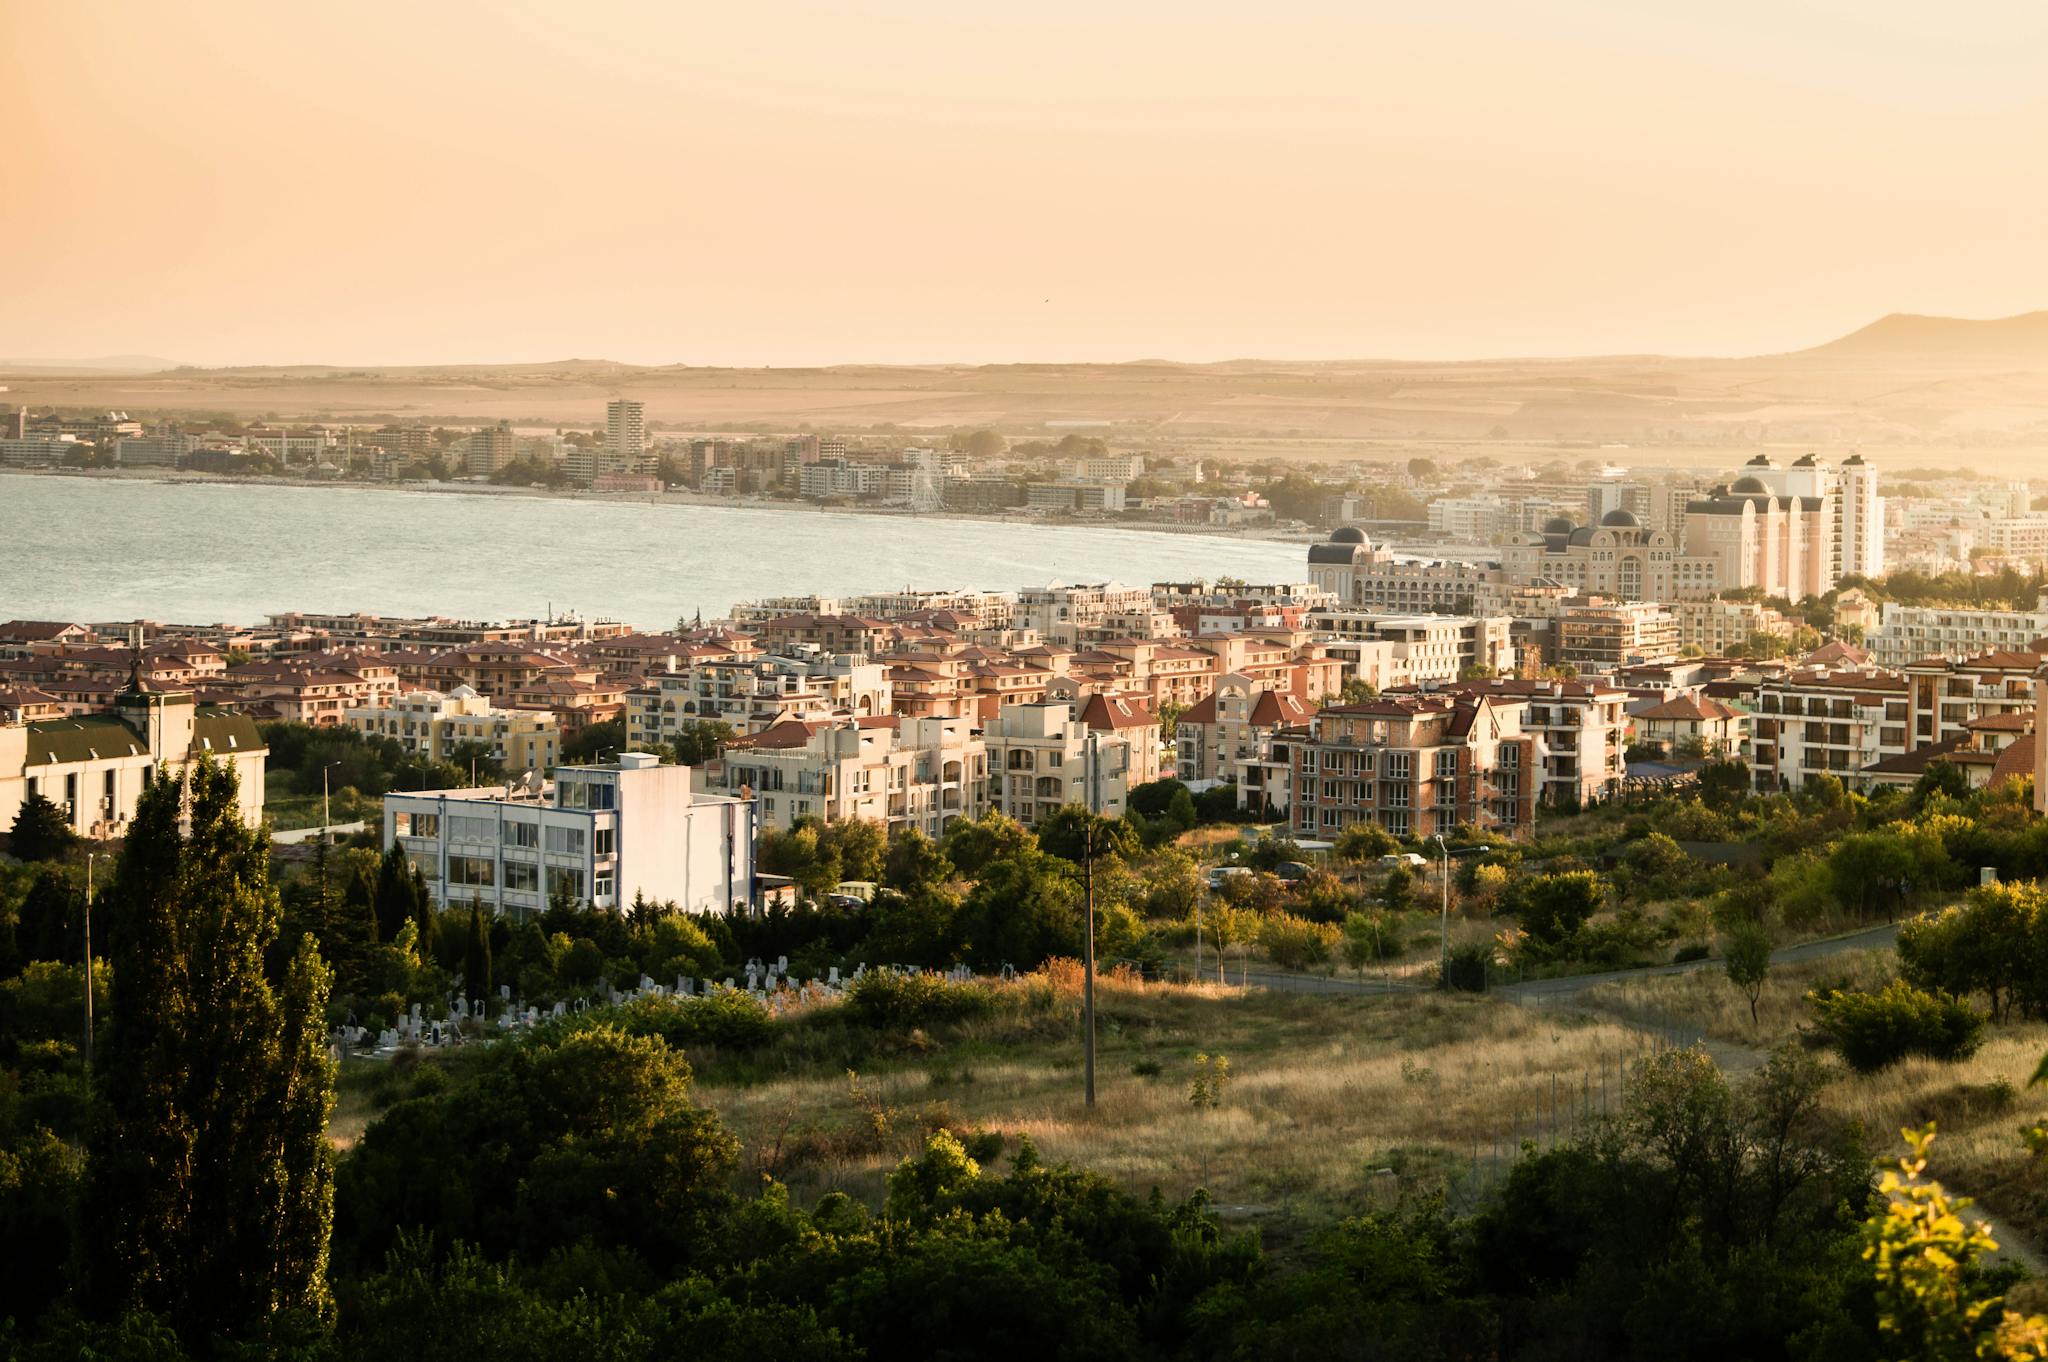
1041, 757
1908, 633
625, 435
600, 835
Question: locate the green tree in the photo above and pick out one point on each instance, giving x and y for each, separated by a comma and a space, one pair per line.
40, 832
1068, 831
860, 845
1747, 958
914, 863
702, 740
1553, 907
1397, 891
49, 924
1364, 842
210, 1179
476, 956
1023, 910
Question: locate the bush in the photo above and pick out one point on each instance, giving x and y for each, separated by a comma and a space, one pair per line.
729, 1019
1875, 1030
901, 1001
1466, 970
1296, 943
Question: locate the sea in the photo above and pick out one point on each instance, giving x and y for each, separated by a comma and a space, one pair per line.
97, 549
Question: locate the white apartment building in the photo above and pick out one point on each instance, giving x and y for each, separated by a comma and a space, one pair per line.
1474, 520
899, 772
1424, 648
1714, 627
600, 835
1040, 758
753, 693
1815, 721
1061, 613
1117, 468
1364, 577
1908, 633
431, 724
625, 435
2018, 537
1075, 496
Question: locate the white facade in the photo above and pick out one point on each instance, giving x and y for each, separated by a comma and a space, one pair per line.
1911, 632
1038, 761
600, 835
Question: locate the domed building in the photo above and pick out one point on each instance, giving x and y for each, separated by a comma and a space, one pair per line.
1367, 576
1618, 556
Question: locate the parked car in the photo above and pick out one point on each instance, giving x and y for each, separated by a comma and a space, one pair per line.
1224, 874
1410, 859
1292, 872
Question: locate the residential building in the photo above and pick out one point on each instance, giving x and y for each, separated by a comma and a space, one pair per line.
1364, 577
1582, 727
1041, 757
94, 766
1602, 637
491, 449
1910, 632
1814, 721
1782, 545
435, 725
1947, 695
1425, 648
1099, 497
753, 693
599, 834
1694, 726
625, 436
1235, 736
1417, 766
1060, 612
1718, 627
916, 773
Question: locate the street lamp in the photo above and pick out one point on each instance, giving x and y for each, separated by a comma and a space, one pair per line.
1443, 967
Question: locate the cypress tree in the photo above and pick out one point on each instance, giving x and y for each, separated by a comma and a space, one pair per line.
39, 832
394, 898
50, 920
209, 1183
476, 959
423, 916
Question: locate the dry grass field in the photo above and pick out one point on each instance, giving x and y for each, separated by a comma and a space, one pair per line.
1329, 1100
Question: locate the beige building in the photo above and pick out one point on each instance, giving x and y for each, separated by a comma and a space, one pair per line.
754, 693
93, 767
1581, 726
1365, 577
1619, 557
1689, 725
431, 724
1423, 648
1602, 637
1039, 761
1234, 736
921, 773
1716, 627
1784, 545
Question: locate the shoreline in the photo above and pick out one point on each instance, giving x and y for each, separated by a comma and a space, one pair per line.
172, 477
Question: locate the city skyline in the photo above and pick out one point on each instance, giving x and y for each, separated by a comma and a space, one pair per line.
916, 184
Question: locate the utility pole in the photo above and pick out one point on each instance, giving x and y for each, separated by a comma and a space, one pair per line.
89, 857
1094, 772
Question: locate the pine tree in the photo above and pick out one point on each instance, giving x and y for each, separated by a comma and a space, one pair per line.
394, 897
50, 919
40, 832
209, 1183
423, 916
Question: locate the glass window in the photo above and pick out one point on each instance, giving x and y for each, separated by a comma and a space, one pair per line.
563, 881
565, 841
602, 841
522, 834
468, 828
603, 887
472, 871
522, 875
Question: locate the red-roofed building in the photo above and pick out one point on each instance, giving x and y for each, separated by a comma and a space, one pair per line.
1694, 725
1234, 735
1417, 765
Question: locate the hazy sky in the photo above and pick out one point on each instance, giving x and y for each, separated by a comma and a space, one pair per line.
797, 183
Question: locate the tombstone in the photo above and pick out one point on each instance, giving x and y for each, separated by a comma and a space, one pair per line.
728, 981
434, 1034
561, 1009
504, 993
387, 1039
753, 981
686, 987
782, 964
646, 984
461, 1008
415, 1011
532, 1016
860, 969
832, 976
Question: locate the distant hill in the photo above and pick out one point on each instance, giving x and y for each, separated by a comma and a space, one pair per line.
103, 364
1904, 336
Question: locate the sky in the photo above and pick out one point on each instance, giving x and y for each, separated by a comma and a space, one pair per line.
902, 182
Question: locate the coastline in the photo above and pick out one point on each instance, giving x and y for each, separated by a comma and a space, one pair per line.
1254, 533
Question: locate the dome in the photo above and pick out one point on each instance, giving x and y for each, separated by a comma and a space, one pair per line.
1558, 524
462, 693
1350, 534
1618, 519
1760, 461
1750, 487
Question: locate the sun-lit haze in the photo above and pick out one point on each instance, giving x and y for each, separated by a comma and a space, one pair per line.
818, 183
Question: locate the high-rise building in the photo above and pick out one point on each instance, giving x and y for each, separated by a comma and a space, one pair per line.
491, 449
625, 435
1855, 510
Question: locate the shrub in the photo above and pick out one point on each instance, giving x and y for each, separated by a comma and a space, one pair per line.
1875, 1030
1296, 943
887, 999
729, 1019
1466, 969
